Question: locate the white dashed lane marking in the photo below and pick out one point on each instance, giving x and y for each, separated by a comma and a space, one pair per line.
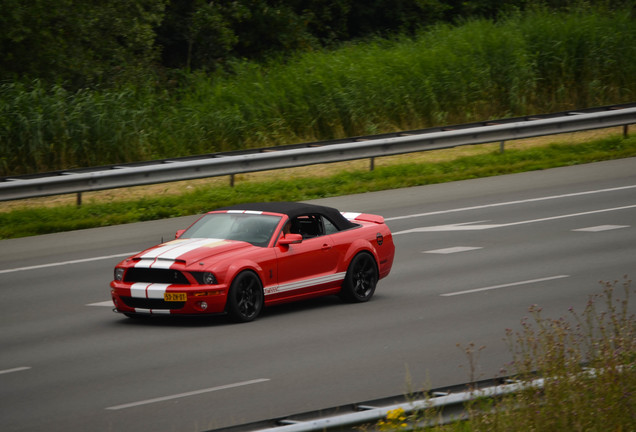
182, 395
17, 369
62, 263
463, 209
601, 228
467, 226
107, 303
512, 284
452, 250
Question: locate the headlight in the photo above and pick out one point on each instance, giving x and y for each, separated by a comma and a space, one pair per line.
205, 278
209, 279
119, 273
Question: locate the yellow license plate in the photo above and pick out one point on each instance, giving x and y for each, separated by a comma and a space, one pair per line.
172, 297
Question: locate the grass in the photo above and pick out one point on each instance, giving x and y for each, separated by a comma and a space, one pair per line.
35, 218
588, 360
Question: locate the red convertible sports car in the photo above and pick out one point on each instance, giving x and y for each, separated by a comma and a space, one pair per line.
236, 260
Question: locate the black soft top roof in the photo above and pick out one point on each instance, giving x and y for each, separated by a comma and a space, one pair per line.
294, 209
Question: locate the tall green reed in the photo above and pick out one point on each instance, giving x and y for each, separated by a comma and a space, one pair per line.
531, 62
51, 128
582, 58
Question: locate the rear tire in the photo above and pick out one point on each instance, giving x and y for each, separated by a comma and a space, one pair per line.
361, 279
245, 297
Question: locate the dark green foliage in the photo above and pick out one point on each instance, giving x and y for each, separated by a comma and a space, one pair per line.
82, 43
77, 42
528, 63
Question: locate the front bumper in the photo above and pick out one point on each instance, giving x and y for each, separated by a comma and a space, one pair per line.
148, 298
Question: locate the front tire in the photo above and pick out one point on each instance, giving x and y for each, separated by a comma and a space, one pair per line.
361, 279
245, 297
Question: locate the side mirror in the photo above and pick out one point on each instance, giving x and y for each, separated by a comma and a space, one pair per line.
178, 234
290, 239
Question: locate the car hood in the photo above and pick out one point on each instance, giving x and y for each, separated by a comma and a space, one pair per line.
186, 251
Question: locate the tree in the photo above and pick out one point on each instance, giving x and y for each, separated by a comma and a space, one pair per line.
77, 42
199, 34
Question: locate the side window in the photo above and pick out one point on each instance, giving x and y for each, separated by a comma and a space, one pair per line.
308, 226
329, 227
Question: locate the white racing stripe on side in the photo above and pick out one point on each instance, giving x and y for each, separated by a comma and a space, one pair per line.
305, 283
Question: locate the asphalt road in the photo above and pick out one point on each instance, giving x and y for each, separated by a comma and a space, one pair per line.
472, 256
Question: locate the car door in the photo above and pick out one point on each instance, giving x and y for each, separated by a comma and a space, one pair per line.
307, 268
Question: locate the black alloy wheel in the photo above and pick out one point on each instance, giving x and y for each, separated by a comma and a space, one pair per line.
245, 299
361, 279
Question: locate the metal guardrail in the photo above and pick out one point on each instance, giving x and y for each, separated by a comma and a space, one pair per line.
169, 170
448, 403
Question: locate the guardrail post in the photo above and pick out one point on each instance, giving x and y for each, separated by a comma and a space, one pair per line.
625, 131
231, 180
372, 164
79, 199
501, 146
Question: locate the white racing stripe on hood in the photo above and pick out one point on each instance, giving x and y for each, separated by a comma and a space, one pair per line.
158, 263
164, 256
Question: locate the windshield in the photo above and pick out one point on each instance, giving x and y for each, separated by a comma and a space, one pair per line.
256, 229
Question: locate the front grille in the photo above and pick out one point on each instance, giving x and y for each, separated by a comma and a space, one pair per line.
149, 275
143, 303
